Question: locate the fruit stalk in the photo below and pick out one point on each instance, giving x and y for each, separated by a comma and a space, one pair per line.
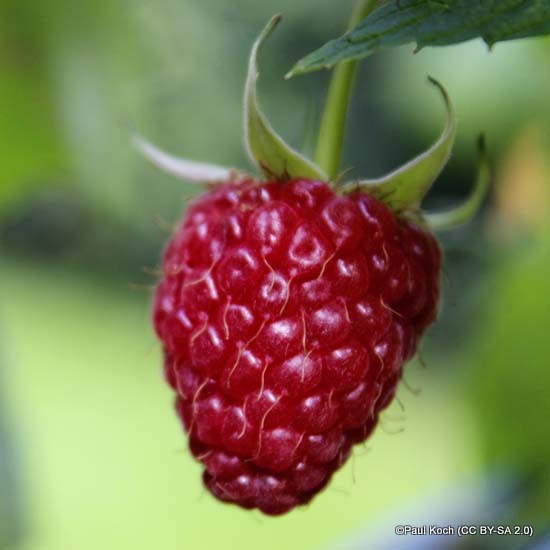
328, 153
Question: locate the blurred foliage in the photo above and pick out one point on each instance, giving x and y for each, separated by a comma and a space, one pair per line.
99, 455
509, 374
522, 193
10, 504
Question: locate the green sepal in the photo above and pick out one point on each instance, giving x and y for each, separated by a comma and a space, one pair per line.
404, 188
453, 217
265, 147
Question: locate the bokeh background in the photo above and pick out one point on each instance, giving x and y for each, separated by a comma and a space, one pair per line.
91, 454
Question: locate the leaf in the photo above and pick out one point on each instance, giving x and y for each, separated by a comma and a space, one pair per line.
265, 147
432, 23
404, 188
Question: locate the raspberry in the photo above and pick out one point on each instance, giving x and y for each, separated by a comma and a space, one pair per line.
288, 307
286, 312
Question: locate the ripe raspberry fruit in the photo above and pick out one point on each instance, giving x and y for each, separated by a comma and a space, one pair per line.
288, 307
286, 313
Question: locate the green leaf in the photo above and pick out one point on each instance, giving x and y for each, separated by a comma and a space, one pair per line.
404, 188
432, 23
266, 148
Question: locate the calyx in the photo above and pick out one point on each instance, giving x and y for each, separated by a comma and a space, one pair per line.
402, 190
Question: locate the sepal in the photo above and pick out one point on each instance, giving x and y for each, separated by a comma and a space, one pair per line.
404, 188
185, 169
449, 219
265, 147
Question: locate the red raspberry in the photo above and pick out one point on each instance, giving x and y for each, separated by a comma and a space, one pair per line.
286, 312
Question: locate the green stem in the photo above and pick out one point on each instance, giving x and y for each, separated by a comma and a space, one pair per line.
328, 153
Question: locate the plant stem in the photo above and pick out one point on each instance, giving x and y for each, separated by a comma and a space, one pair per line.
328, 153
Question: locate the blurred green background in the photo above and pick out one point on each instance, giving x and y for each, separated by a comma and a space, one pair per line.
91, 454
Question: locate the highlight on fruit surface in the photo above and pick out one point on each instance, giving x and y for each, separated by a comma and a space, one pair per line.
288, 306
